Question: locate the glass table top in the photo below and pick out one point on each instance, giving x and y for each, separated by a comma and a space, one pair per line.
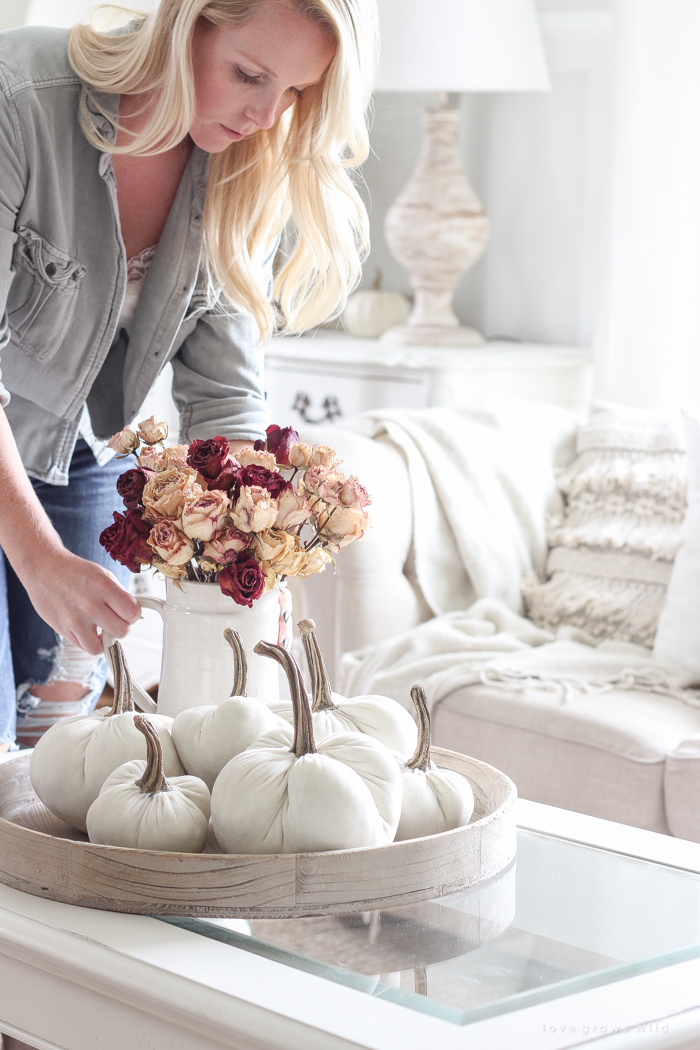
563, 918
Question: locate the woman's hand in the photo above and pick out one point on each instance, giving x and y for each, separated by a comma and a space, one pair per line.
75, 597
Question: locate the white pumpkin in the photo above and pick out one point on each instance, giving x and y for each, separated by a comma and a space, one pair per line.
371, 311
208, 737
343, 793
377, 716
434, 799
74, 757
139, 808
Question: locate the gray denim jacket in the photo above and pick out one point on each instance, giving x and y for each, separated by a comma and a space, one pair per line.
63, 276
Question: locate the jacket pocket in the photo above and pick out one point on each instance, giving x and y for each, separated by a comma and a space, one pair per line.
42, 297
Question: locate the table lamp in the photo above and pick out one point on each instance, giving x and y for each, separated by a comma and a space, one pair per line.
437, 227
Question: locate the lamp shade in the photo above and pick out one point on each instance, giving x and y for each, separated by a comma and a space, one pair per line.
460, 45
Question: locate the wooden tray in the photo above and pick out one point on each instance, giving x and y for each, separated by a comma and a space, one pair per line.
39, 854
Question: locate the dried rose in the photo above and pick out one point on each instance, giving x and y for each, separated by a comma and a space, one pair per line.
271, 480
342, 525
330, 487
174, 572
255, 510
170, 543
124, 442
126, 540
226, 545
203, 517
313, 478
250, 457
152, 431
292, 509
158, 459
280, 552
130, 485
243, 580
166, 493
300, 455
315, 561
324, 456
353, 494
209, 457
279, 441
207, 565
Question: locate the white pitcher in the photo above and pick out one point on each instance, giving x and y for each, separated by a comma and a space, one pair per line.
197, 666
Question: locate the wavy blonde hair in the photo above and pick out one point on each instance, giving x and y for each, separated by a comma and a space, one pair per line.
295, 173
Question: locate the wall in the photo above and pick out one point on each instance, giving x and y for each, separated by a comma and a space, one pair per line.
540, 164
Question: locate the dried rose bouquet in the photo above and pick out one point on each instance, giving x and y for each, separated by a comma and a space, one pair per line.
279, 508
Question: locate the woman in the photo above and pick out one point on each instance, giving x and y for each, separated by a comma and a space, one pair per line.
146, 176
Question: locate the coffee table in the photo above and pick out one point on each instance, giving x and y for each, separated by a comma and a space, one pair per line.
592, 937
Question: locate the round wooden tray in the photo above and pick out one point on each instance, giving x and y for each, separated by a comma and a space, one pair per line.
39, 854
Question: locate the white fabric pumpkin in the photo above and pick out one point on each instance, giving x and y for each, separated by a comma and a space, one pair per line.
139, 808
343, 793
371, 311
434, 800
74, 758
377, 716
208, 737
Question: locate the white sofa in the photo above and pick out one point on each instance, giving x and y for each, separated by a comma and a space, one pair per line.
625, 755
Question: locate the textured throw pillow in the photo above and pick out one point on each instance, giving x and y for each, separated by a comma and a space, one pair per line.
678, 637
612, 550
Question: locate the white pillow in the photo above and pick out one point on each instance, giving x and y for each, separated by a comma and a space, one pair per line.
678, 634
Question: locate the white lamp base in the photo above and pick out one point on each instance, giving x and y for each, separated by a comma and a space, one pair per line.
432, 335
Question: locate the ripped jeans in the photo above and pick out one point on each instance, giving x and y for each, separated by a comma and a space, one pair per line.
31, 652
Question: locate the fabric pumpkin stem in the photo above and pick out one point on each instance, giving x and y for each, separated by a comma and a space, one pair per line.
421, 758
123, 694
304, 743
320, 682
240, 663
153, 779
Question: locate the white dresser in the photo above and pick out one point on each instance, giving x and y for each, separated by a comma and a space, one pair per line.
330, 375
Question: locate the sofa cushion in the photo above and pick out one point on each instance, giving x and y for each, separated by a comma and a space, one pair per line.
602, 753
613, 548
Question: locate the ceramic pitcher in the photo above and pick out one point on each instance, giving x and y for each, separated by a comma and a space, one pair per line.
197, 666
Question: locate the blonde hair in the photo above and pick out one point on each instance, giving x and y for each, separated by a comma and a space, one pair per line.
295, 173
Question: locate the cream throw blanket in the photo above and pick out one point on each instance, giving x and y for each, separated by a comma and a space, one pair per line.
489, 643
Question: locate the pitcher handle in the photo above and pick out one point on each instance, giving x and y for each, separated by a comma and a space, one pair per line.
145, 702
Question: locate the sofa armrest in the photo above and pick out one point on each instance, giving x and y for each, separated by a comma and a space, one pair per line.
368, 597
682, 789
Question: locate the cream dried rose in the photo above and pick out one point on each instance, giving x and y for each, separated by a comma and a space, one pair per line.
313, 479
207, 565
124, 442
203, 517
164, 458
173, 572
292, 509
170, 544
324, 456
151, 430
315, 561
255, 510
341, 525
300, 455
165, 495
249, 457
280, 552
224, 547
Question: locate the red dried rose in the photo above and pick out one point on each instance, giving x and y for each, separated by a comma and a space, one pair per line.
131, 483
243, 580
209, 457
125, 540
271, 480
279, 441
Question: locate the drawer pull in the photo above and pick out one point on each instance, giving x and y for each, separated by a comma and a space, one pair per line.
302, 404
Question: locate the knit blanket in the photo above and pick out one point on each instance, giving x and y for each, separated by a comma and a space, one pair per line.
491, 644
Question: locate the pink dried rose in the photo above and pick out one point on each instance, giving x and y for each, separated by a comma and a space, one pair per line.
170, 544
280, 552
166, 493
255, 510
330, 488
342, 525
313, 479
300, 455
124, 442
224, 547
315, 561
292, 509
243, 580
203, 517
324, 456
159, 459
353, 494
250, 457
151, 431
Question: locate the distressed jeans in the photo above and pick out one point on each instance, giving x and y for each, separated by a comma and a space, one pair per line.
31, 652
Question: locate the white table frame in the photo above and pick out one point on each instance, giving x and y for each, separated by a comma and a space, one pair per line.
76, 979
